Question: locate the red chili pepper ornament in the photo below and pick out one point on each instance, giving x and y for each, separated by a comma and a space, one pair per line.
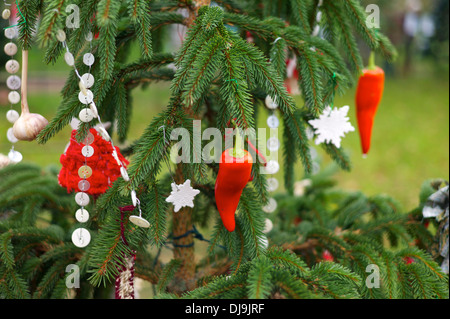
235, 171
368, 97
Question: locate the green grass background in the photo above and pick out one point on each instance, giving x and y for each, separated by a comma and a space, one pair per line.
410, 139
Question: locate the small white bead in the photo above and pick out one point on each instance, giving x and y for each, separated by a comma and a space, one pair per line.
10, 49
273, 121
11, 137
82, 199
273, 144
84, 185
88, 59
86, 115
15, 156
6, 14
70, 60
271, 206
81, 237
87, 151
61, 35
139, 221
89, 37
268, 226
86, 99
82, 215
88, 80
319, 16
272, 184
12, 116
14, 97
12, 66
272, 167
270, 103
316, 31
10, 33
13, 82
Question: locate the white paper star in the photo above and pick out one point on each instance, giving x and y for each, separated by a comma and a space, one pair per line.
182, 195
332, 125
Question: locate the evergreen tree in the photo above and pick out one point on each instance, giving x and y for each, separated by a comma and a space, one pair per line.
218, 78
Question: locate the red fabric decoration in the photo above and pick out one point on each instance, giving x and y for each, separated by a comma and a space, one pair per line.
105, 169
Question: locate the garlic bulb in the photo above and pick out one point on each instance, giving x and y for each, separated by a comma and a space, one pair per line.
28, 126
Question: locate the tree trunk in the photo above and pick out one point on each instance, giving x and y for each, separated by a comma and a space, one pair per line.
185, 279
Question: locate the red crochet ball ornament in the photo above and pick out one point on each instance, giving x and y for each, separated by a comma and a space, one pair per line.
105, 169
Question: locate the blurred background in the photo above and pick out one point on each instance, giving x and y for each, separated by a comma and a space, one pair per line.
411, 134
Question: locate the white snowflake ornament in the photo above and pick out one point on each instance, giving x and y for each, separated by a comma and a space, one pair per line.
332, 125
182, 195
